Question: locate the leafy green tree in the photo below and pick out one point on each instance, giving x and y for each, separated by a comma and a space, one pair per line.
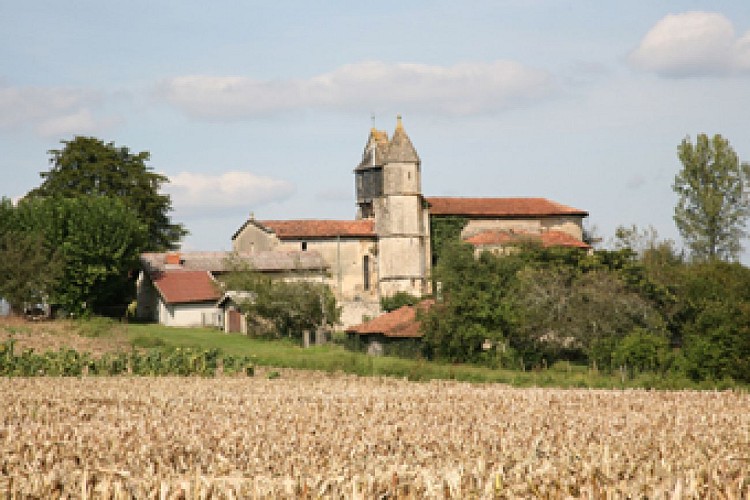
444, 232
641, 350
713, 205
89, 243
472, 306
291, 307
88, 166
102, 241
717, 344
714, 319
28, 271
562, 311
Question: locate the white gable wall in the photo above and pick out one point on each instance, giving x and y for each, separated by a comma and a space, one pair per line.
196, 314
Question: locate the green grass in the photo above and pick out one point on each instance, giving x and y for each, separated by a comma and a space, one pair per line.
333, 358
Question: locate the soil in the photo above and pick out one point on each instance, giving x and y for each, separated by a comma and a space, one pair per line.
43, 336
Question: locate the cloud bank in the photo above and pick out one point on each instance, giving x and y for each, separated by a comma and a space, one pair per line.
195, 194
693, 44
462, 89
51, 111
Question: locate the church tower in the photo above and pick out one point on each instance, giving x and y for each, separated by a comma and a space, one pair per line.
389, 190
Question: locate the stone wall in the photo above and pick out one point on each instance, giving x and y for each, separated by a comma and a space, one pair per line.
571, 225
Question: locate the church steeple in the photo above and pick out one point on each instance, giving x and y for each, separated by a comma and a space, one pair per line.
375, 150
400, 149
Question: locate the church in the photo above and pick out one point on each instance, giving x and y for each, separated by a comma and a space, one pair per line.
387, 247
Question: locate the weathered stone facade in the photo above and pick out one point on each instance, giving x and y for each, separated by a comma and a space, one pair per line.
386, 249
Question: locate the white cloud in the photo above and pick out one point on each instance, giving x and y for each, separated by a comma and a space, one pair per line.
195, 194
51, 111
693, 44
462, 89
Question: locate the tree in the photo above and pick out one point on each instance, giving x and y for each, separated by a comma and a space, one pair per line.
291, 307
28, 271
563, 311
713, 206
472, 306
76, 252
102, 240
714, 316
88, 166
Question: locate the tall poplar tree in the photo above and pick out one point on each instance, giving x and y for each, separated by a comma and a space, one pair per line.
713, 204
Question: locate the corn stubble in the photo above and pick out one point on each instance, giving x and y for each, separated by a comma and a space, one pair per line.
307, 435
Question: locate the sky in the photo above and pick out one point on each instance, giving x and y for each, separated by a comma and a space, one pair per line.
265, 107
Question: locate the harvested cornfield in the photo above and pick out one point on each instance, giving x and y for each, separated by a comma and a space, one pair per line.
309, 435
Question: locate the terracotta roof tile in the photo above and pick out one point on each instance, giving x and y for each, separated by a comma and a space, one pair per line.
562, 239
500, 207
307, 228
399, 323
181, 287
547, 239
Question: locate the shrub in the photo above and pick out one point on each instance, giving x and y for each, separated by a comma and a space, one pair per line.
641, 350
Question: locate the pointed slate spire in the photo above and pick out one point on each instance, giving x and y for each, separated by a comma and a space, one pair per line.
375, 149
400, 149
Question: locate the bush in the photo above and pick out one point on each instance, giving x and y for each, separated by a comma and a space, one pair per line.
399, 299
641, 350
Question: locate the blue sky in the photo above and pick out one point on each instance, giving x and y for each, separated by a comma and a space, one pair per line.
265, 107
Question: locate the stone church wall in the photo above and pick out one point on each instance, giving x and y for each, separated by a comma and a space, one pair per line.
254, 239
570, 225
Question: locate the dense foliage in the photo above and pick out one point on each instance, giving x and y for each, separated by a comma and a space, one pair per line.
444, 232
281, 308
87, 166
398, 299
75, 253
613, 310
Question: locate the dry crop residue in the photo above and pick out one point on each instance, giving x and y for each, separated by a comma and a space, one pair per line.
314, 435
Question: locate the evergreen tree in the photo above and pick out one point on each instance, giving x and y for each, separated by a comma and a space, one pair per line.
713, 206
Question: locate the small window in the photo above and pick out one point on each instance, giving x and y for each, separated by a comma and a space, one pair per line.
366, 272
304, 246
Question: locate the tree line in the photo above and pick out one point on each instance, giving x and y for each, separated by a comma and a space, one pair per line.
74, 241
642, 306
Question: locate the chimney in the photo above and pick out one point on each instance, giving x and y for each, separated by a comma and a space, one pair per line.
172, 259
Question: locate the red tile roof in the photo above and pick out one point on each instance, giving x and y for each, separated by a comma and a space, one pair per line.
182, 287
500, 207
399, 323
307, 228
547, 239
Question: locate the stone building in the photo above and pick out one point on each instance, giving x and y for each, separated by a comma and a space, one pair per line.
386, 249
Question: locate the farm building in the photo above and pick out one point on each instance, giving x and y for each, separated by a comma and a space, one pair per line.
391, 330
181, 289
